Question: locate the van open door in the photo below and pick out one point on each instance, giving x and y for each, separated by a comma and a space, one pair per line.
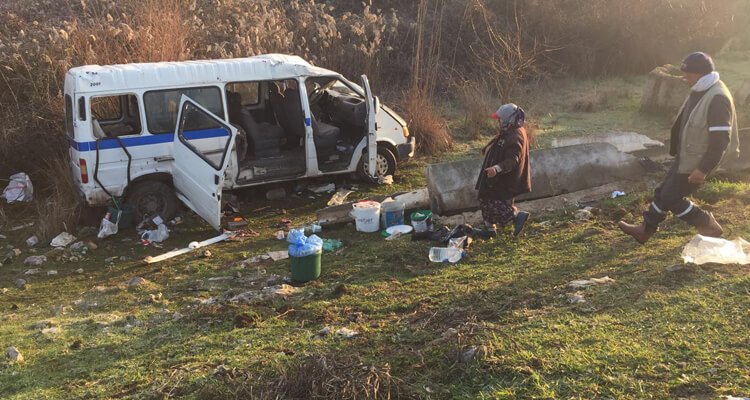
372, 129
202, 143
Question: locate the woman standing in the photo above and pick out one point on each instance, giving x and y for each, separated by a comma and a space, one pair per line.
505, 172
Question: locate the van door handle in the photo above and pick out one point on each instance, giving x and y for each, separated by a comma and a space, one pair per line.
163, 158
216, 179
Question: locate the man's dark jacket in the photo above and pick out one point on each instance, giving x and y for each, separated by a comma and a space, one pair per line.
509, 150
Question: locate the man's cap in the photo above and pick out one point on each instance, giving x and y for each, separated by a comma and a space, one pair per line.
698, 63
504, 112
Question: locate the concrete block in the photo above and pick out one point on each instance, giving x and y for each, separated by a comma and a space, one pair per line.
554, 172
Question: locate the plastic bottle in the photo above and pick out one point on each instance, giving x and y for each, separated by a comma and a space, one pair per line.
446, 254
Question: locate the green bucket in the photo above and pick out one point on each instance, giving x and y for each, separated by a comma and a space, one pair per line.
127, 215
306, 268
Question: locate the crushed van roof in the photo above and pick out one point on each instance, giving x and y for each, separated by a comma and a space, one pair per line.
98, 78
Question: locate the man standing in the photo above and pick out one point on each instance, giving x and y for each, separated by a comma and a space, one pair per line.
704, 132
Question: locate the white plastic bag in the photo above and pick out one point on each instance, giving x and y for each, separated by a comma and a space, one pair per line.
158, 235
19, 188
107, 228
703, 250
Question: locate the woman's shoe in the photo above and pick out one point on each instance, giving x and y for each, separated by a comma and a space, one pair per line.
519, 222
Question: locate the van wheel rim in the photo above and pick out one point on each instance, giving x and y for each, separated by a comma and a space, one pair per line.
382, 166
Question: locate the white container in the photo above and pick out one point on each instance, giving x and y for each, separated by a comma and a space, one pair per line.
366, 215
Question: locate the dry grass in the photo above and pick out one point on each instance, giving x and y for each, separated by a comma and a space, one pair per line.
598, 98
318, 377
425, 123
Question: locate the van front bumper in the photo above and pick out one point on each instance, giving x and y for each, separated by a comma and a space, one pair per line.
406, 150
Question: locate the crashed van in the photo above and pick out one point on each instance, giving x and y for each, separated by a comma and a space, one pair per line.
154, 133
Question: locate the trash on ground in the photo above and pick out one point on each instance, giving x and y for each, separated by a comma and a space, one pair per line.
192, 246
395, 236
255, 260
325, 331
158, 235
237, 223
347, 333
51, 272
35, 260
385, 180
469, 354
617, 194
207, 254
584, 214
14, 354
339, 197
702, 250
106, 227
278, 255
137, 281
32, 241
266, 293
584, 283
21, 283
312, 228
330, 245
280, 235
327, 188
19, 189
575, 298
33, 271
422, 221
51, 331
3, 237
402, 229
62, 240
446, 254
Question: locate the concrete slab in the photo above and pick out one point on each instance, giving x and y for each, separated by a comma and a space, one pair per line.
626, 142
554, 172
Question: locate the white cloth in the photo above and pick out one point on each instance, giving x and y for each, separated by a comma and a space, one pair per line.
706, 82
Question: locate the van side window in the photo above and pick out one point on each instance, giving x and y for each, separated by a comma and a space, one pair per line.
248, 91
115, 115
69, 116
82, 108
161, 106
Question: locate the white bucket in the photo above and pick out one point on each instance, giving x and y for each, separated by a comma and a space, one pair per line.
366, 214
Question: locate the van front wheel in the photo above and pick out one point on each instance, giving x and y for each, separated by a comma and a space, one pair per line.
152, 198
385, 165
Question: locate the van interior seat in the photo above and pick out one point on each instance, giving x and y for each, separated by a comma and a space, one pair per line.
289, 114
264, 139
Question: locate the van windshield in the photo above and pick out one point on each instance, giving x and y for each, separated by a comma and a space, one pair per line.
161, 106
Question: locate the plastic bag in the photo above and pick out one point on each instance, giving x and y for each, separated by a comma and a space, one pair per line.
301, 246
19, 189
703, 250
107, 227
160, 234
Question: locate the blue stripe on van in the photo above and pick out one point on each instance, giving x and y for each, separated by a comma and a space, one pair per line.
145, 140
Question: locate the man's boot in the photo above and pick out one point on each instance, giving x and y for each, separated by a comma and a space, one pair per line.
711, 228
638, 232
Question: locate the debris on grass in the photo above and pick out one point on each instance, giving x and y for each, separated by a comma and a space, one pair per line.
35, 260
284, 291
33, 271
14, 354
21, 284
347, 333
575, 298
585, 283
62, 240
339, 197
137, 281
192, 246
320, 189
702, 250
51, 331
51, 272
32, 241
278, 255
584, 214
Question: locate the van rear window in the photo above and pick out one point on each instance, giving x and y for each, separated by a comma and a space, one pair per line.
69, 116
162, 105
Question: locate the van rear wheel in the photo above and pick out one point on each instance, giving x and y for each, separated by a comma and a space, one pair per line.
152, 198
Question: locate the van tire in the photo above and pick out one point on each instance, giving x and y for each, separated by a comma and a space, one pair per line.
386, 164
153, 198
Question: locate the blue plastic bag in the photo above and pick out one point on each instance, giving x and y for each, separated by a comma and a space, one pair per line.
301, 246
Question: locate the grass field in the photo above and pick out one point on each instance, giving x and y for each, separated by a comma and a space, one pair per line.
659, 330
